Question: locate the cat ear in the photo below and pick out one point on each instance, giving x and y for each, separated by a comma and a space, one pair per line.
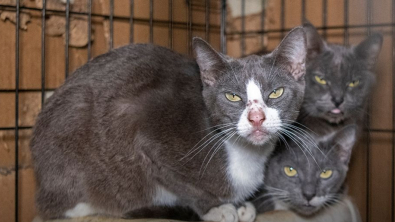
315, 44
292, 52
369, 49
344, 141
210, 62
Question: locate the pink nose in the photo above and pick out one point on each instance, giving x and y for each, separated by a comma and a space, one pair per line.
256, 117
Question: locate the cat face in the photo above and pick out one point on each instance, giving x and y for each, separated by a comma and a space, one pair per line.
338, 79
299, 182
252, 96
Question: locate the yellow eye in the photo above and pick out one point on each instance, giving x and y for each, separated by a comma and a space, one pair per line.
276, 93
353, 83
325, 174
320, 80
290, 171
232, 97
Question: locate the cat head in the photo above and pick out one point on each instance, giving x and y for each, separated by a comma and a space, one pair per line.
253, 95
305, 180
338, 78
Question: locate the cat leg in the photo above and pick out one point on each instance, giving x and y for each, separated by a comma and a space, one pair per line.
223, 213
246, 213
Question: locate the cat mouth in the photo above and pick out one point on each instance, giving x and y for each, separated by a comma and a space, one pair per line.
336, 111
258, 136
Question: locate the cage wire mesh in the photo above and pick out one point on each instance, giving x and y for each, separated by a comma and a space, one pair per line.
216, 31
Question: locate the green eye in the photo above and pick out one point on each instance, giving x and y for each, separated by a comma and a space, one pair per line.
232, 97
320, 80
276, 93
290, 171
353, 83
325, 174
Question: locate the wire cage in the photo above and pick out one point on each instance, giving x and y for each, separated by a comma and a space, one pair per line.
36, 61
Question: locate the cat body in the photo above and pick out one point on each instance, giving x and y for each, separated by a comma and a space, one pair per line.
144, 126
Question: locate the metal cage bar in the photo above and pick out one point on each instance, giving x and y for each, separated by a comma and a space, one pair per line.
171, 24
44, 5
223, 26
17, 110
243, 28
111, 24
151, 21
89, 29
393, 114
207, 20
368, 142
131, 22
66, 50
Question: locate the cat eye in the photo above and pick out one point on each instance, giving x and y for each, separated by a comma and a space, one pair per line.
276, 93
325, 174
290, 171
320, 80
353, 83
232, 97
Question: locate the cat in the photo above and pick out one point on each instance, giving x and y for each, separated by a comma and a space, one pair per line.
339, 80
144, 126
309, 178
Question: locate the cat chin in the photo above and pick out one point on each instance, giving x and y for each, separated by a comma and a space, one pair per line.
306, 210
258, 140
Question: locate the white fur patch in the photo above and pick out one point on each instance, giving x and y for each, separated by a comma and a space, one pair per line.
81, 210
246, 213
164, 197
223, 213
246, 164
254, 92
318, 201
272, 122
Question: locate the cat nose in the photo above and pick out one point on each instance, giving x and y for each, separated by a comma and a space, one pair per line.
308, 194
337, 101
256, 117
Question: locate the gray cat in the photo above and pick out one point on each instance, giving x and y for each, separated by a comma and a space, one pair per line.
307, 180
339, 80
144, 126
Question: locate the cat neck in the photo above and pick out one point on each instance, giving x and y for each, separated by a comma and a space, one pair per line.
246, 163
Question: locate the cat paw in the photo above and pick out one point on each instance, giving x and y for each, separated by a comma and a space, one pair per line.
246, 213
223, 213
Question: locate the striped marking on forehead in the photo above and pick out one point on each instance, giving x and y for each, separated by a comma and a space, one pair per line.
254, 92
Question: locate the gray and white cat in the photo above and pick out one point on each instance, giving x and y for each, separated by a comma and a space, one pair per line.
339, 80
144, 126
309, 179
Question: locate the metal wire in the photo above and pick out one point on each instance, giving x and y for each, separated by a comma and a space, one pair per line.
243, 28
89, 29
223, 26
171, 24
131, 22
111, 24
393, 116
207, 20
368, 143
66, 50
17, 20
151, 19
43, 13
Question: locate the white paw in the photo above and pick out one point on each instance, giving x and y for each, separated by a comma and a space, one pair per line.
246, 213
223, 213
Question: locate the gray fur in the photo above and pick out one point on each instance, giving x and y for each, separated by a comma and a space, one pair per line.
121, 126
293, 193
338, 65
